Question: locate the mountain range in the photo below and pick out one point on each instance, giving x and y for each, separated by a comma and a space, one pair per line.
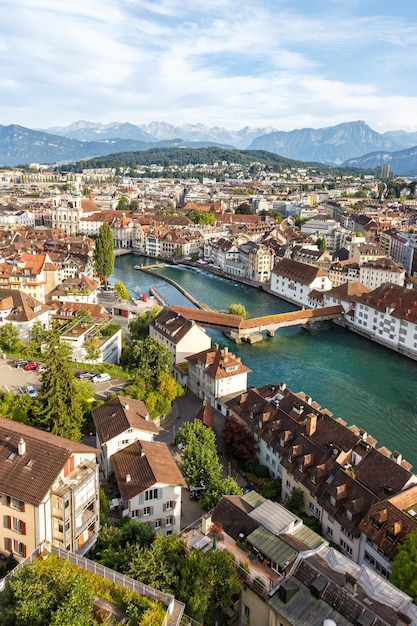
348, 144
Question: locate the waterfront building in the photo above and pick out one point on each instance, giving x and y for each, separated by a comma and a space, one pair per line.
182, 337
374, 273
214, 374
387, 315
293, 281
258, 261
49, 491
338, 468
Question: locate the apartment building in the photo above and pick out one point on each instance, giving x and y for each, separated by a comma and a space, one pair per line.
338, 468
182, 337
148, 479
293, 281
216, 373
48, 491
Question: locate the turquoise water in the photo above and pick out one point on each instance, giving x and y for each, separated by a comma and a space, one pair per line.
356, 379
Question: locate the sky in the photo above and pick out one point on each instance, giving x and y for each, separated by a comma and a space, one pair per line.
283, 64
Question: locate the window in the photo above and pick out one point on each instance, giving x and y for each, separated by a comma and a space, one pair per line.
16, 504
169, 505
345, 547
332, 500
330, 531
346, 532
169, 521
134, 513
157, 524
147, 511
348, 514
19, 548
18, 526
288, 484
246, 612
151, 494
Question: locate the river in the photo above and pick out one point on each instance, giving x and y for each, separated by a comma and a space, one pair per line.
356, 379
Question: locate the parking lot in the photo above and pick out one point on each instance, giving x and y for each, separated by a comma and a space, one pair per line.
16, 379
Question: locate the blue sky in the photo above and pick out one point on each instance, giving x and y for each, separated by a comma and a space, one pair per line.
267, 63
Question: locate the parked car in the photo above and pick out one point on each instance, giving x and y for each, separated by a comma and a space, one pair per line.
20, 362
101, 378
40, 369
87, 375
32, 365
31, 391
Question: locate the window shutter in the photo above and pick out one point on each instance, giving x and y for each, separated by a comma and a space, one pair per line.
151, 508
8, 500
141, 498
23, 528
9, 544
140, 512
24, 551
9, 521
23, 507
165, 506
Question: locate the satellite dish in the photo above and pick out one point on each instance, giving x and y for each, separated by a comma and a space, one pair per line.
329, 622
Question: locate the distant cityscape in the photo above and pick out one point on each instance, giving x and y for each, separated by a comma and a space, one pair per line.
341, 244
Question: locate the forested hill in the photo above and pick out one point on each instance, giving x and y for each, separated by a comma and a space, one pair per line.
169, 157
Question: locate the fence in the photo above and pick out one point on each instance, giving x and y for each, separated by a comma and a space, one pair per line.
107, 573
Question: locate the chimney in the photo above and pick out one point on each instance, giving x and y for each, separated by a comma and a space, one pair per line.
142, 452
351, 583
21, 447
226, 350
127, 406
311, 425
128, 478
397, 457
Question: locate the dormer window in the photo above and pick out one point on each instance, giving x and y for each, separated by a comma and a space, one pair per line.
313, 479
301, 467
260, 424
349, 514
290, 458
332, 500
281, 442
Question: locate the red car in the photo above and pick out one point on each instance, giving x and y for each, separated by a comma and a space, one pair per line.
31, 365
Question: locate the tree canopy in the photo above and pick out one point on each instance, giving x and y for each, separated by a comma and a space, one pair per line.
104, 253
139, 326
404, 566
59, 403
121, 290
149, 358
200, 464
238, 309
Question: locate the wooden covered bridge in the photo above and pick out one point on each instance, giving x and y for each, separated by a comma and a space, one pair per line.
250, 330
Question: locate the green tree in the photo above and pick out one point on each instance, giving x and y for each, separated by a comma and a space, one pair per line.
139, 327
121, 290
38, 333
244, 209
50, 592
92, 349
104, 253
123, 204
295, 501
160, 565
404, 566
321, 244
149, 358
60, 406
237, 309
9, 336
199, 462
216, 489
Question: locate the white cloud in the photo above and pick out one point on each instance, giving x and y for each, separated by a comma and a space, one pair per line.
224, 62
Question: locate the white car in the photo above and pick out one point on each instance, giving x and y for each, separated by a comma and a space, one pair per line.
31, 391
101, 378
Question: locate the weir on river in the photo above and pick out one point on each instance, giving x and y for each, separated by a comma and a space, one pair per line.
356, 379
